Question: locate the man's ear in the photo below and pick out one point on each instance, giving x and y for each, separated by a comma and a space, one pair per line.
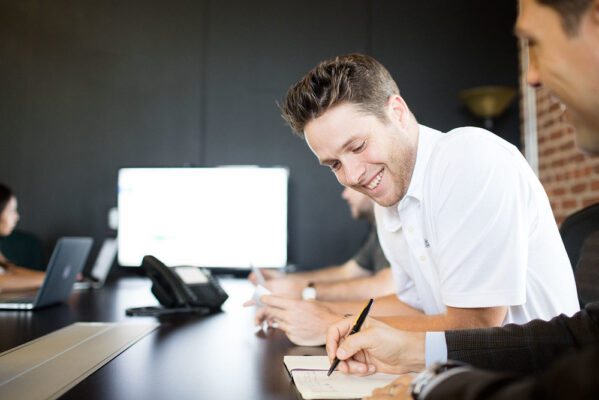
594, 13
398, 110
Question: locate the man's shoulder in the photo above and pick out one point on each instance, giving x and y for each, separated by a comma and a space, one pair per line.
474, 136
470, 144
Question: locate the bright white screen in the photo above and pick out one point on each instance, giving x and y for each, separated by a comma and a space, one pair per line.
211, 217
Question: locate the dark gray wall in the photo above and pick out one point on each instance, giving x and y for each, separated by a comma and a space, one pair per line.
91, 86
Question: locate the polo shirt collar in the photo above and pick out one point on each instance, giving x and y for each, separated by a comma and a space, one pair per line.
427, 138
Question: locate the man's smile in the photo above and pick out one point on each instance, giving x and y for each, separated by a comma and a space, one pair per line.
374, 182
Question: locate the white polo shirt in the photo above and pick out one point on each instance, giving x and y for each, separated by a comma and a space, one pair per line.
475, 229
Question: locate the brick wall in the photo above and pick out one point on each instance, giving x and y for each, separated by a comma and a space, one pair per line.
570, 178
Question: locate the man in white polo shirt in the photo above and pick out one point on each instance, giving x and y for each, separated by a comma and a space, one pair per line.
475, 229
462, 219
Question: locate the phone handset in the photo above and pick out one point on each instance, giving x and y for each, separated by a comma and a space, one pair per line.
180, 289
168, 287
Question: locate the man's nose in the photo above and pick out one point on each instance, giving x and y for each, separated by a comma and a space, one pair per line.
354, 171
533, 78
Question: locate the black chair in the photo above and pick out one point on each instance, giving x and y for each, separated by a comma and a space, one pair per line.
580, 234
587, 270
23, 249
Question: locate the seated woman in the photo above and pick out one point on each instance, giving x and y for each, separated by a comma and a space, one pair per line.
13, 277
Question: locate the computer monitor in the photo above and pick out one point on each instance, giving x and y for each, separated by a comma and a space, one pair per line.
226, 217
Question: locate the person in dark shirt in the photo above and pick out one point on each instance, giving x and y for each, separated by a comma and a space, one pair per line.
13, 277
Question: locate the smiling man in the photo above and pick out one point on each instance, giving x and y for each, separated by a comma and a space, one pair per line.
463, 220
555, 359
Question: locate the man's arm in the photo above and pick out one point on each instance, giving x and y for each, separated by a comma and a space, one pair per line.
454, 318
381, 284
348, 270
291, 285
382, 307
305, 322
572, 377
525, 348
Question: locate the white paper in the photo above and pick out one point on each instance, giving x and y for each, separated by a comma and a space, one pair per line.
315, 384
260, 291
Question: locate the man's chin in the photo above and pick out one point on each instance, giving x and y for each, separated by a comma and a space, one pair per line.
587, 139
385, 201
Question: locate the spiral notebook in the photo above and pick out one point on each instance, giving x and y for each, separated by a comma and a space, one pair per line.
309, 373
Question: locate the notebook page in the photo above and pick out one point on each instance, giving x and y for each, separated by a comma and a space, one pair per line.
310, 376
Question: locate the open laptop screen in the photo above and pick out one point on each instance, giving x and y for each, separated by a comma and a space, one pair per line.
231, 217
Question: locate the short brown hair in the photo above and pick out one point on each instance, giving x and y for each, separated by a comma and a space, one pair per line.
570, 12
354, 78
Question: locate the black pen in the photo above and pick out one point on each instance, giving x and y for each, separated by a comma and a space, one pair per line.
357, 325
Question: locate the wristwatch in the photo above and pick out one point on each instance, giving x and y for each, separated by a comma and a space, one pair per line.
309, 292
421, 384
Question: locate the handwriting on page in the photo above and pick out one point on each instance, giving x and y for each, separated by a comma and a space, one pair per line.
317, 381
317, 385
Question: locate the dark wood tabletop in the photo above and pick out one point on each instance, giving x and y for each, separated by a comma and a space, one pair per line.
188, 357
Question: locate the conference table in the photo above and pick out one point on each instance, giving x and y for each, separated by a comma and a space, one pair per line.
216, 356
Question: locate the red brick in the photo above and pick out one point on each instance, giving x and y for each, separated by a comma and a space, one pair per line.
567, 146
577, 157
578, 188
556, 135
546, 124
589, 202
569, 204
559, 191
558, 163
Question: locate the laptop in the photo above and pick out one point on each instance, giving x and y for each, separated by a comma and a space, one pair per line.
68, 259
101, 267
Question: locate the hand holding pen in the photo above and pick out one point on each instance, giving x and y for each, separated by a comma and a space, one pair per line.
355, 328
378, 347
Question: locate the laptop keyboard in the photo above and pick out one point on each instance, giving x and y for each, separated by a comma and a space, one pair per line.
17, 298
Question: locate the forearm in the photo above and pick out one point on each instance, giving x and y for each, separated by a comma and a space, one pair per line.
471, 384
357, 289
383, 306
17, 278
572, 377
349, 270
454, 318
525, 348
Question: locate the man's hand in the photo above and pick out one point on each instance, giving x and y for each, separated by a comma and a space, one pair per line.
398, 389
304, 322
376, 347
